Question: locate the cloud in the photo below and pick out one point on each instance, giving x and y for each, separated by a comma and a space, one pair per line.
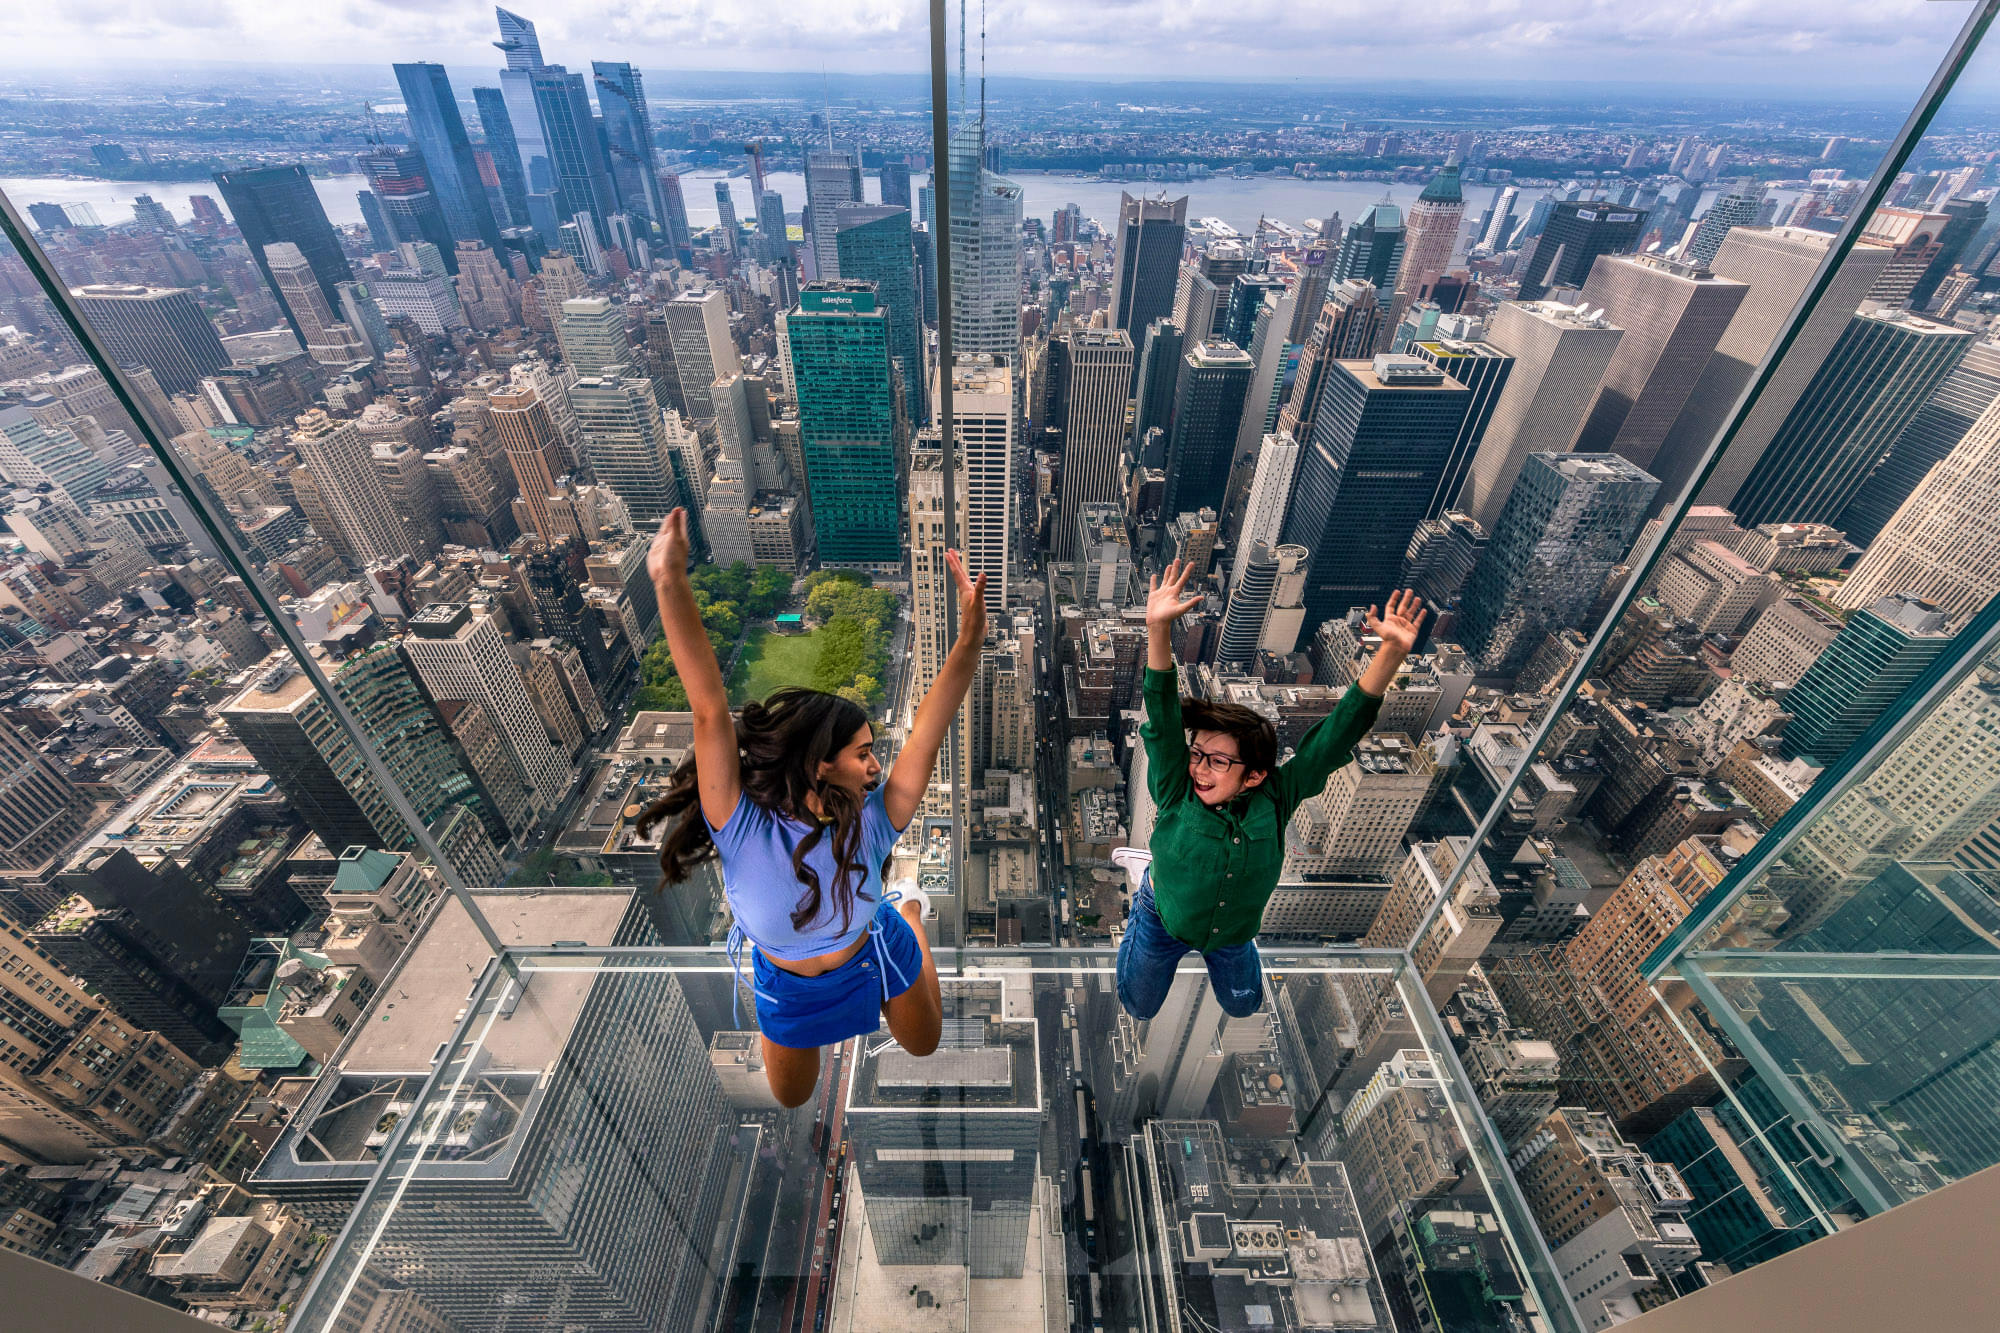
1844, 43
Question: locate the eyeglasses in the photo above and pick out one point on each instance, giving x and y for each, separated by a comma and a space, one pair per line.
1220, 763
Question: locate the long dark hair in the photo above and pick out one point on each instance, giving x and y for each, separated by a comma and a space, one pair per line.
780, 745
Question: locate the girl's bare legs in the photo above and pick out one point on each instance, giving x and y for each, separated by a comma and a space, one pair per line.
792, 1072
916, 1017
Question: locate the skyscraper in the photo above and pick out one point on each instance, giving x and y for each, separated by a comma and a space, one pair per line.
1270, 497
282, 720
1620, 1051
1249, 604
1673, 316
1945, 419
628, 136
1943, 542
1965, 219
625, 442
326, 339
833, 178
1160, 347
679, 235
875, 245
1372, 251
1881, 649
1880, 372
1575, 235
839, 340
581, 173
517, 90
1347, 327
32, 455
726, 226
1559, 360
1201, 443
351, 489
161, 328
985, 254
279, 204
1482, 368
44, 814
461, 654
1500, 221
1431, 235
698, 330
618, 1104
592, 333
440, 136
946, 1155
772, 232
1776, 263
1146, 260
896, 184
410, 209
534, 450
498, 127
1570, 518
1100, 380
1382, 436
1734, 207
983, 431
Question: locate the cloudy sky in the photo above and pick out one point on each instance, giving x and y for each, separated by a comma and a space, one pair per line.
1828, 45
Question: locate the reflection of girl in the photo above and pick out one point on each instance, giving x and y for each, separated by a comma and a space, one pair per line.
793, 802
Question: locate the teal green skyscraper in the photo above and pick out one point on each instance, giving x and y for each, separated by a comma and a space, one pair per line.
848, 431
1866, 668
876, 245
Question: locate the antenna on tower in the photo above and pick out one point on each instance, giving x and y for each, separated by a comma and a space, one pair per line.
982, 76
961, 57
826, 96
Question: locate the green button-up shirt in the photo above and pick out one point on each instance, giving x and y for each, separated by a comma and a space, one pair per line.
1214, 867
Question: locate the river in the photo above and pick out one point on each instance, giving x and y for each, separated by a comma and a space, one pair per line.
1236, 201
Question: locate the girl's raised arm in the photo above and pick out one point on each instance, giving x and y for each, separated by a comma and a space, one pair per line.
903, 792
694, 658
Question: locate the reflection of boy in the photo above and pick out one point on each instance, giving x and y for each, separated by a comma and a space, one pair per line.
1223, 802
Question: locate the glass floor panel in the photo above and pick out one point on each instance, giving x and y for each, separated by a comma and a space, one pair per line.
589, 1141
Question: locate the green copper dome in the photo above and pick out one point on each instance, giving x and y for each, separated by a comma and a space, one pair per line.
1443, 188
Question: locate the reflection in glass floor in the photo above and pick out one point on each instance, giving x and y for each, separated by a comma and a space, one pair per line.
589, 1142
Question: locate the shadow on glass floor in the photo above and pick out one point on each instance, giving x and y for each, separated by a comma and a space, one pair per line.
584, 1137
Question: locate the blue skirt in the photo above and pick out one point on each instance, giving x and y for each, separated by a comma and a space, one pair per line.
806, 1012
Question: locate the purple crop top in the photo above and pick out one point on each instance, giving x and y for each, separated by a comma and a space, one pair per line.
755, 845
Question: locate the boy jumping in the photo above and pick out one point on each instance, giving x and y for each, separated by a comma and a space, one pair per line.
1224, 801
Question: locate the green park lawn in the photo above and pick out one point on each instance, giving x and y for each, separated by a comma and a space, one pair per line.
772, 661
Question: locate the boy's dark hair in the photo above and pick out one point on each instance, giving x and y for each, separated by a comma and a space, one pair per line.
1256, 738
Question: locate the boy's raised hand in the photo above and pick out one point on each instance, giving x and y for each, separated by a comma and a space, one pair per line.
1164, 604
1399, 623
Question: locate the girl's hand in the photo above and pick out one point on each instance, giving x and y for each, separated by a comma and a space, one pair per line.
1164, 604
971, 600
1400, 623
669, 553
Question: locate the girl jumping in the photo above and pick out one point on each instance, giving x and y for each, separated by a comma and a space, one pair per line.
793, 802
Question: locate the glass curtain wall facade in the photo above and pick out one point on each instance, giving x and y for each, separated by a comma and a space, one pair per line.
338, 986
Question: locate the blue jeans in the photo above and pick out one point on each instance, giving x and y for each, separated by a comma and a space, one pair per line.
1147, 955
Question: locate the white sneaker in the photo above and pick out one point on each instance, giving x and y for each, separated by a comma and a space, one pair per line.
906, 890
1134, 861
